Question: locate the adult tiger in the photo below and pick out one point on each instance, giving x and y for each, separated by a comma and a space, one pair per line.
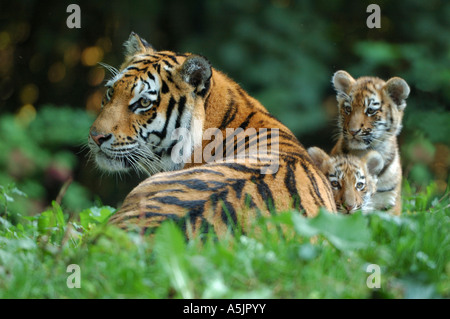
157, 94
370, 118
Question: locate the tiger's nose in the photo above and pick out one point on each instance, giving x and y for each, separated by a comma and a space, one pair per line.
354, 132
98, 138
348, 207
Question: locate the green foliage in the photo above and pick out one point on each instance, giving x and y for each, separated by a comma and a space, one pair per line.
343, 232
327, 256
7, 196
40, 156
95, 216
283, 53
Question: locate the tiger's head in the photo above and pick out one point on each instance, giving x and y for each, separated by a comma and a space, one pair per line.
149, 101
353, 179
370, 109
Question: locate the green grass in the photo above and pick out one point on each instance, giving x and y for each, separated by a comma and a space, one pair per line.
327, 257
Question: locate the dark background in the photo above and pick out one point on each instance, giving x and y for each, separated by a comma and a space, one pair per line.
283, 52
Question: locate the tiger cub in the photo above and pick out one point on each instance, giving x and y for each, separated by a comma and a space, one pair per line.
353, 179
370, 118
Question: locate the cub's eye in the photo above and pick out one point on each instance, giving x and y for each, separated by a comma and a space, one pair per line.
335, 184
371, 111
109, 93
144, 102
360, 186
347, 108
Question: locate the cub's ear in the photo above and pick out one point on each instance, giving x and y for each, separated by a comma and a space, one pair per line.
374, 162
135, 44
398, 90
342, 81
319, 157
196, 70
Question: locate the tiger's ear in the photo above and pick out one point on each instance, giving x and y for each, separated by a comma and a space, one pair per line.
319, 157
342, 81
135, 44
196, 70
398, 90
374, 162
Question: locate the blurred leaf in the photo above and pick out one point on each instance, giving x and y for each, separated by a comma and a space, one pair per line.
170, 248
95, 215
344, 232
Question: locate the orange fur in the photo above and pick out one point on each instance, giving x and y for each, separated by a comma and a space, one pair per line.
202, 194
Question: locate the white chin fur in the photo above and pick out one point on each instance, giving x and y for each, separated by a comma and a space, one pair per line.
357, 145
109, 165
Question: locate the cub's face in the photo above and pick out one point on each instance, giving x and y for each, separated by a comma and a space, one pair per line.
352, 179
146, 101
370, 110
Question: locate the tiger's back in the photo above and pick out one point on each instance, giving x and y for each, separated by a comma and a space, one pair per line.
236, 160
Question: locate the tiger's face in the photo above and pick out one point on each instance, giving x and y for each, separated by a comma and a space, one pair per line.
370, 110
353, 179
147, 100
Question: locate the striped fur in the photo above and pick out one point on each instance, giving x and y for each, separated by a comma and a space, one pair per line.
353, 179
370, 118
156, 92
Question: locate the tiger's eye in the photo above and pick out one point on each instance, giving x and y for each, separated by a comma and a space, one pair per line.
110, 92
145, 102
371, 111
347, 108
335, 184
360, 185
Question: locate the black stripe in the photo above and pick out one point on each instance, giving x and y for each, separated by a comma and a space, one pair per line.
249, 203
170, 108
313, 182
141, 61
157, 67
181, 106
247, 120
247, 142
290, 137
237, 167
228, 210
152, 207
168, 64
169, 77
150, 76
207, 101
153, 214
195, 184
238, 186
291, 186
171, 200
132, 88
173, 58
164, 88
387, 190
389, 162
265, 193
136, 69
231, 112
230, 138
